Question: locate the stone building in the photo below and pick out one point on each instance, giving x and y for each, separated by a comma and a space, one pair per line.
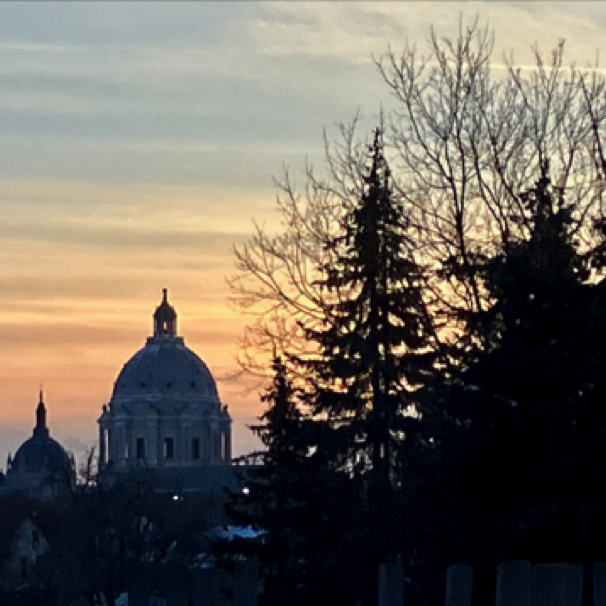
165, 414
40, 468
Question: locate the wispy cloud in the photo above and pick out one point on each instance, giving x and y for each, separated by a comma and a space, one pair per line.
138, 140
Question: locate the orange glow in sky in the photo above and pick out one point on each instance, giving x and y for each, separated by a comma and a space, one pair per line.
80, 290
138, 143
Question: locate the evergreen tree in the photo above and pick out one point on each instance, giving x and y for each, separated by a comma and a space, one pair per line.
296, 504
375, 351
526, 399
511, 456
376, 345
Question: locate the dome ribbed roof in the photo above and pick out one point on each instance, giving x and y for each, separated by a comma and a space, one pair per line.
165, 366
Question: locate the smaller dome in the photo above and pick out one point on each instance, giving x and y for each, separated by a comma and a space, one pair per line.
41, 453
40, 465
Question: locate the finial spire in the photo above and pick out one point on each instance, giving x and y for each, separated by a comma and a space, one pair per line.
41, 429
165, 295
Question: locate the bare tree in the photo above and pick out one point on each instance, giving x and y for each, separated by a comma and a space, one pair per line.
464, 144
88, 469
276, 274
469, 144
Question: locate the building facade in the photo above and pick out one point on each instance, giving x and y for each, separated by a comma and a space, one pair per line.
165, 412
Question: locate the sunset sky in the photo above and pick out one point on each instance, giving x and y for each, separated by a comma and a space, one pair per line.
138, 142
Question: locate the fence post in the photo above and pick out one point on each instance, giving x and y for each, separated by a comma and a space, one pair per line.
599, 584
246, 583
558, 585
177, 590
139, 584
205, 587
391, 584
459, 584
514, 584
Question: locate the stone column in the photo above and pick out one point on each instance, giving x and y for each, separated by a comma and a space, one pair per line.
179, 442
151, 448
227, 453
130, 444
217, 434
102, 442
187, 459
207, 452
123, 442
119, 443
214, 443
111, 444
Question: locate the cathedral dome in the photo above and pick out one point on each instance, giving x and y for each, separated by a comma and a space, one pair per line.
165, 412
40, 466
165, 366
38, 453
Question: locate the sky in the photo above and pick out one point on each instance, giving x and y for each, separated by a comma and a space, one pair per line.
137, 145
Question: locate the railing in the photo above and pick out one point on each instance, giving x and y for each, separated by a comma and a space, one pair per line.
253, 459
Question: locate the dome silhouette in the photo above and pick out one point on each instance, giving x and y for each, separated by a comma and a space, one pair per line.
165, 367
165, 412
40, 467
40, 453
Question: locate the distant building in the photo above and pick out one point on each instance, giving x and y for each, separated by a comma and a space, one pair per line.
40, 468
20, 551
165, 419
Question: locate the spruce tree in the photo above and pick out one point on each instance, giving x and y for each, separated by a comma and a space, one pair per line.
270, 491
329, 492
375, 350
519, 437
294, 501
524, 401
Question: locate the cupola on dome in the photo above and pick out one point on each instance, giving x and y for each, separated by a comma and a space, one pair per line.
165, 366
165, 318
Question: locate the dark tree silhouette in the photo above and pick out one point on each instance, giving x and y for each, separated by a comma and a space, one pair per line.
300, 507
527, 400
375, 350
376, 347
463, 143
506, 454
